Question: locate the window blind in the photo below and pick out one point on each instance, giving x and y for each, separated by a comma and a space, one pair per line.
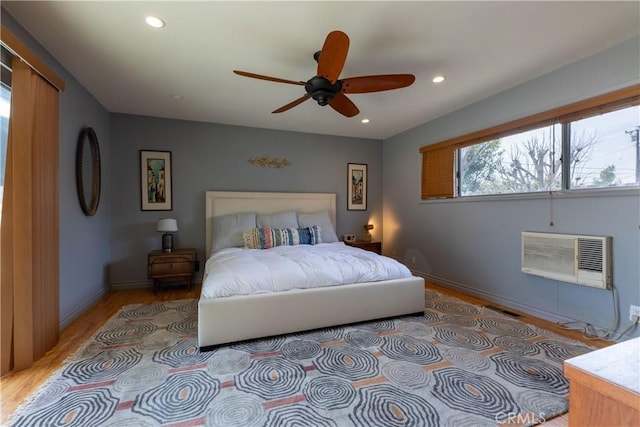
437, 173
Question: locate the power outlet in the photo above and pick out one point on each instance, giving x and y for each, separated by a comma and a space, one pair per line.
634, 310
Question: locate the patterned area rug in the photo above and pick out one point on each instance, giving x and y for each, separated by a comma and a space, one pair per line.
458, 365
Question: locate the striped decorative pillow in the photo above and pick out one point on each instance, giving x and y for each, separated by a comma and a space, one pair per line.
265, 238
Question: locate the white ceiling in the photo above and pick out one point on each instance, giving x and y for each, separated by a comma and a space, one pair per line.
482, 47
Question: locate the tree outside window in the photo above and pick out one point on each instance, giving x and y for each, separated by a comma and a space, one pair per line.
603, 152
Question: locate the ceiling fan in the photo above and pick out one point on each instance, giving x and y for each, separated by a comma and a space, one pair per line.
325, 88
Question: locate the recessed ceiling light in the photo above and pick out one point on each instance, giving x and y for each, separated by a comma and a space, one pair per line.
438, 79
365, 120
177, 96
154, 21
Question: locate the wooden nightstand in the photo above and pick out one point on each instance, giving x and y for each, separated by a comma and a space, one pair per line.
367, 246
176, 265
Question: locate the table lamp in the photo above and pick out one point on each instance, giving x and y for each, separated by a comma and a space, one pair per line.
168, 226
366, 237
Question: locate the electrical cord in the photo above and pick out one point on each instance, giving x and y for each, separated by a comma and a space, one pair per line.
631, 327
590, 332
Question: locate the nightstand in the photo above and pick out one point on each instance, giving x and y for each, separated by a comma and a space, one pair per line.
177, 265
367, 246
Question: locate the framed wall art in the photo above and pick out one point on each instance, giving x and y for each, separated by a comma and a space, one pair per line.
155, 179
357, 187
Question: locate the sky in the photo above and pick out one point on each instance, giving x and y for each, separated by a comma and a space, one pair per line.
613, 146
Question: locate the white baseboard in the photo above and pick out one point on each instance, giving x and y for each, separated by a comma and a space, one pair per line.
531, 310
534, 311
70, 317
122, 286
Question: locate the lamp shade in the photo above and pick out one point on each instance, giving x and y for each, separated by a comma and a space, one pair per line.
167, 225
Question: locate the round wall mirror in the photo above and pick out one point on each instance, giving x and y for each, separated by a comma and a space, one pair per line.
88, 171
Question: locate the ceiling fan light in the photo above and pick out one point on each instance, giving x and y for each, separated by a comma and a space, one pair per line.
154, 21
438, 79
322, 97
321, 89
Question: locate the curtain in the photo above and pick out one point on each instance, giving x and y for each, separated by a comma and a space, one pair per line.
29, 295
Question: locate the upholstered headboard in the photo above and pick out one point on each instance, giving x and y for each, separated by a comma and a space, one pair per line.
228, 202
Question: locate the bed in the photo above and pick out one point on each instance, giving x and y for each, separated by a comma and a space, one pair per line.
228, 319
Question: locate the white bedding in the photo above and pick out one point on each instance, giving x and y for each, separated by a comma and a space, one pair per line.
236, 271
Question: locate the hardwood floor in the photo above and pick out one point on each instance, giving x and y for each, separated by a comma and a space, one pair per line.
16, 387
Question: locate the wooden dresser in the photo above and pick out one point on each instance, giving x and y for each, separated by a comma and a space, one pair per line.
177, 265
604, 386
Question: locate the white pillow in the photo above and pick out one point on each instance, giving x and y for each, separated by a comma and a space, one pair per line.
322, 219
228, 229
277, 220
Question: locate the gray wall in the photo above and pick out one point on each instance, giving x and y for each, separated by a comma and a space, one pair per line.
469, 245
474, 245
85, 252
209, 156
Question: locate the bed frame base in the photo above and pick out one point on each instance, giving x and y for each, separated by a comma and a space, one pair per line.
215, 346
246, 317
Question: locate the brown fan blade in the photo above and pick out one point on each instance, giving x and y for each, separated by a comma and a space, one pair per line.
343, 105
333, 55
292, 104
271, 79
379, 83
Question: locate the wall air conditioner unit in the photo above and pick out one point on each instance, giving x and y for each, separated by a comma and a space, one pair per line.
584, 260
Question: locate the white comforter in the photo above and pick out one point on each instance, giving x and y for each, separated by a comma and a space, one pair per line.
235, 271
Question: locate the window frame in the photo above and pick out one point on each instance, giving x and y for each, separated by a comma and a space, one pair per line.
612, 101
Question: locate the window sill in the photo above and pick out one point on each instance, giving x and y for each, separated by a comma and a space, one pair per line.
566, 194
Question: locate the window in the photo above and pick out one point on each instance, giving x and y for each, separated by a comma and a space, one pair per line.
604, 150
525, 162
590, 144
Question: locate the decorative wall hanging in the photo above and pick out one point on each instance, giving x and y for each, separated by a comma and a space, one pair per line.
265, 161
88, 176
357, 187
155, 179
